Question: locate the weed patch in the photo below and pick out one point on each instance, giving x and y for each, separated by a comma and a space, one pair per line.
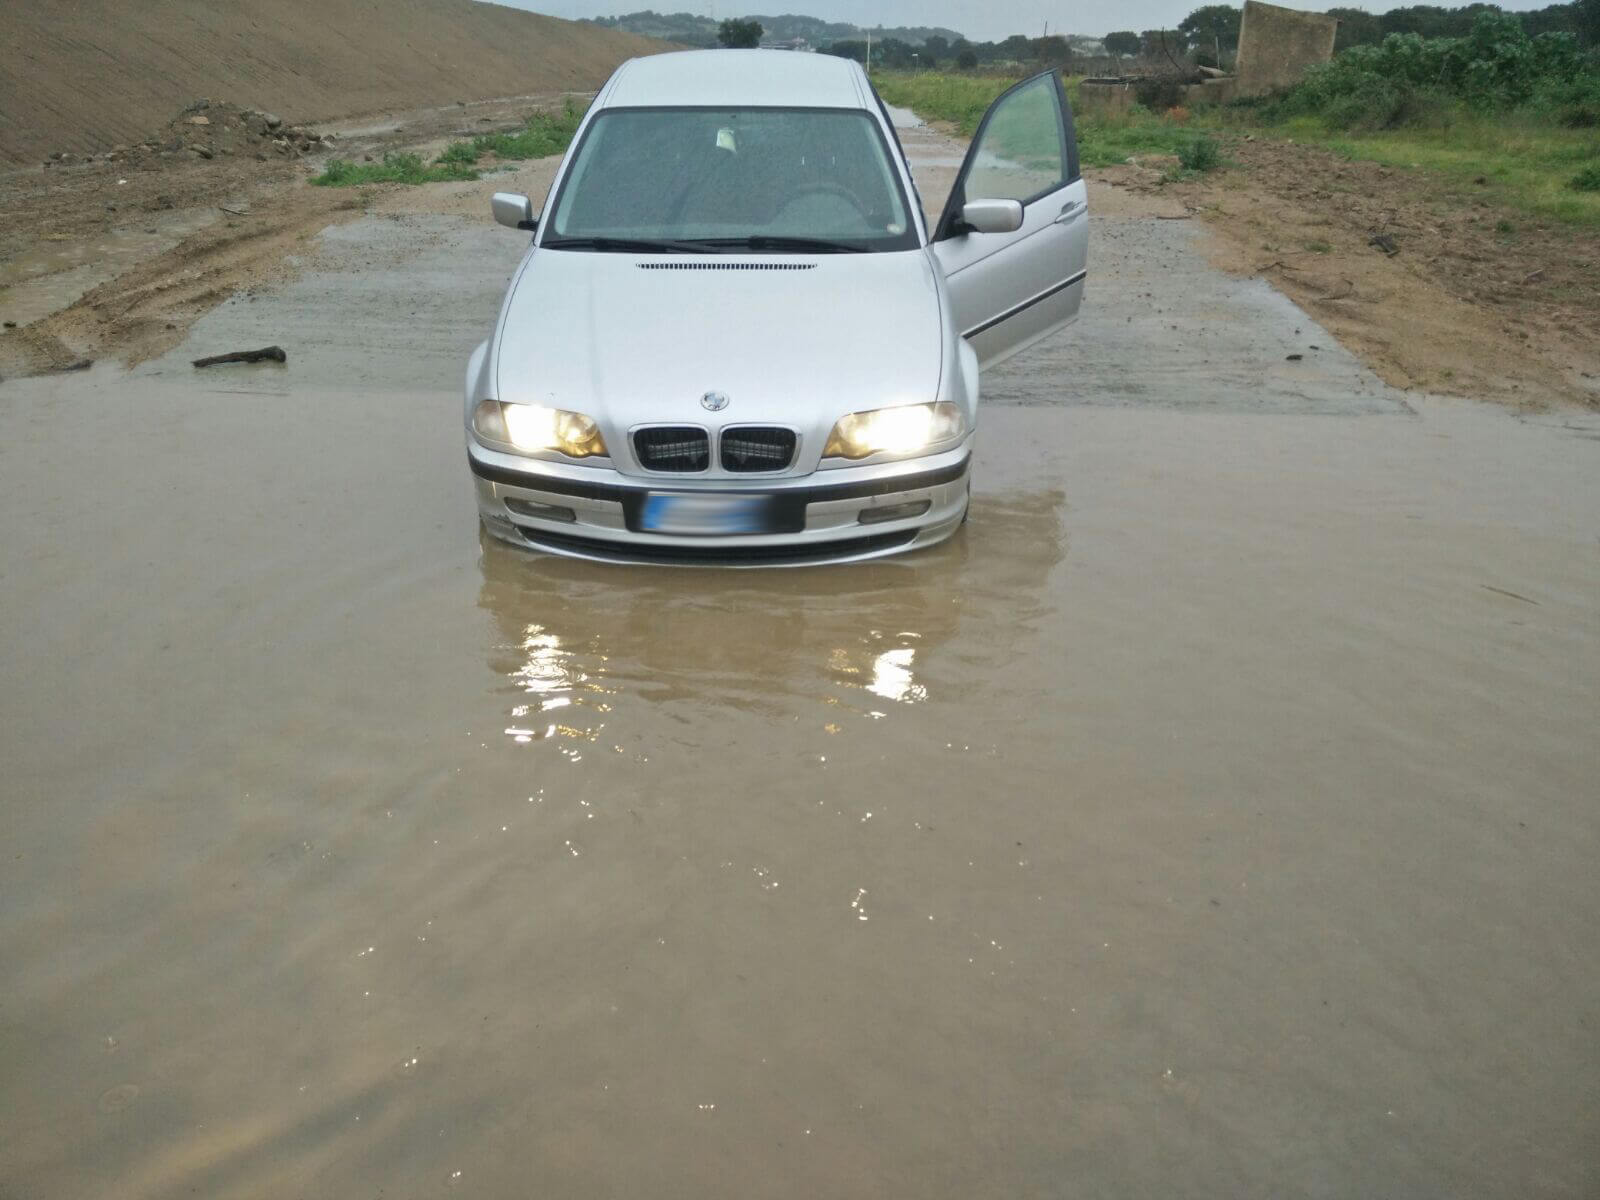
1201, 154
544, 134
960, 99
395, 168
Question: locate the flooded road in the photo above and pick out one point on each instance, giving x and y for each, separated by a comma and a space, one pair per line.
1216, 814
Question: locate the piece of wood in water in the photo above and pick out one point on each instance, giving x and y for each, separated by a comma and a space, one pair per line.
269, 354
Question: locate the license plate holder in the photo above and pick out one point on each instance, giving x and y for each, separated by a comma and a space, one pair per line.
711, 515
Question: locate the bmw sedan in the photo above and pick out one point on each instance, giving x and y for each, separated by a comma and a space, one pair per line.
734, 339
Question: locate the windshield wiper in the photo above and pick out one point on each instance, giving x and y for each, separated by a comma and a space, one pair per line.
625, 245
771, 241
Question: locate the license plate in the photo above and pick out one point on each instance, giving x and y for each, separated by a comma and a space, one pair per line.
705, 515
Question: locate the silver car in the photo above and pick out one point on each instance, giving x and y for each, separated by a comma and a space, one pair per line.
735, 340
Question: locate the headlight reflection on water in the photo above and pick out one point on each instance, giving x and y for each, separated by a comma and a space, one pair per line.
554, 674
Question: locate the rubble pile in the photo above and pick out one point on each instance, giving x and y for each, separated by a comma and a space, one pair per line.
210, 129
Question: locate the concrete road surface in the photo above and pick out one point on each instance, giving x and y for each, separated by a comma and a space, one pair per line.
1215, 816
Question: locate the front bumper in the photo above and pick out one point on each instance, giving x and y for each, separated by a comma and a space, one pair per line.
825, 517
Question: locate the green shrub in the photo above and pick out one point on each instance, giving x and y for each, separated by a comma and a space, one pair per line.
1410, 80
459, 152
395, 168
1573, 103
1586, 180
1160, 92
1201, 154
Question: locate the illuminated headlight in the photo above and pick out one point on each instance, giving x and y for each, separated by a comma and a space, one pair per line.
903, 430
528, 427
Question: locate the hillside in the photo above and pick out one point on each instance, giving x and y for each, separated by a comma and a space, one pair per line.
691, 30
85, 75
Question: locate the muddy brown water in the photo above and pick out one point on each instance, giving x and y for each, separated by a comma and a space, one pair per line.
1215, 815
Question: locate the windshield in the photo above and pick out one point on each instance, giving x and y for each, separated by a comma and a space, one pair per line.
720, 179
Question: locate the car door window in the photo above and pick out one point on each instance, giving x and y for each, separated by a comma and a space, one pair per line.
1021, 152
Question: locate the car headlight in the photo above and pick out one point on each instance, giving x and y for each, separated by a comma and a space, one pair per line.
902, 430
532, 427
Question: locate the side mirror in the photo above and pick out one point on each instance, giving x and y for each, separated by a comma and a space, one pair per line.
992, 216
514, 210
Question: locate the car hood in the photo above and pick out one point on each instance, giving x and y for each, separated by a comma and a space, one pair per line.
788, 339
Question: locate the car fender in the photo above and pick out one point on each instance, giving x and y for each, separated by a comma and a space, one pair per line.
477, 380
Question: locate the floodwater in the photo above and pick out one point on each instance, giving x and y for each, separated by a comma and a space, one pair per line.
1215, 815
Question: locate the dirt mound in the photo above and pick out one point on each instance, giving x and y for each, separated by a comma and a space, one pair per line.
210, 129
81, 79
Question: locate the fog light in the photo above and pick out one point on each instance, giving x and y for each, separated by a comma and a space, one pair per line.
541, 512
894, 512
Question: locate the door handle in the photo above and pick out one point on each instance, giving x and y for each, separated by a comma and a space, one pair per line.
1070, 211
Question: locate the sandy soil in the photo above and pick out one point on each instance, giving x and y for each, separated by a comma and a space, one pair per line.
236, 224
82, 77
1462, 309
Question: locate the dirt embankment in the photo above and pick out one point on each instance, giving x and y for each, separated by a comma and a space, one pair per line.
117, 257
82, 78
1437, 289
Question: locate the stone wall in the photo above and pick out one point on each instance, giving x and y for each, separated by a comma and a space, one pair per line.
1276, 45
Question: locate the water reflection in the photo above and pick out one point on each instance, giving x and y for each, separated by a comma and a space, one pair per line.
583, 647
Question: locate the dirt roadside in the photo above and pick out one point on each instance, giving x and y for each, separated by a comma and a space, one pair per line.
116, 259
1474, 301
1463, 307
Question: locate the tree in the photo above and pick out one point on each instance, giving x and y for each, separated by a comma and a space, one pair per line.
1357, 27
1160, 44
1016, 48
967, 59
934, 49
1123, 43
1586, 16
740, 35
1051, 49
1215, 25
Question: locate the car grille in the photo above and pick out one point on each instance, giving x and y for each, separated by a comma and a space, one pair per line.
757, 448
766, 555
673, 448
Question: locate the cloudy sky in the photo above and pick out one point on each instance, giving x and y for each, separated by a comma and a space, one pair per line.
981, 20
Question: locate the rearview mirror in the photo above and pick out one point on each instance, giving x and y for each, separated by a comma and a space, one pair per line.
992, 216
514, 210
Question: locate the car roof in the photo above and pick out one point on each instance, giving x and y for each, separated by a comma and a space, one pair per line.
745, 78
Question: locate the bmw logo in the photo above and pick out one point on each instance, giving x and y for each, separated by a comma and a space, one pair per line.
714, 401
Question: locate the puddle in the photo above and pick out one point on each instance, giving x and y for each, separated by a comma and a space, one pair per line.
904, 118
1199, 777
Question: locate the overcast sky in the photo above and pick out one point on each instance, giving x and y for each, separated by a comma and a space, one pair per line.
980, 20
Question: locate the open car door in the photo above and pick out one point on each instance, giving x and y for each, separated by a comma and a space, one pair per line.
1014, 237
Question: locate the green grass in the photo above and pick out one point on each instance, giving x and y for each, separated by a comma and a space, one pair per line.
963, 99
1529, 164
1525, 164
395, 168
935, 96
543, 134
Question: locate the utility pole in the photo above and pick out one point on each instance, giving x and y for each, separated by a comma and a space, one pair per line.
869, 52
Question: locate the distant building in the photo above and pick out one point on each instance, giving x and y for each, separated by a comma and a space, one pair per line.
798, 43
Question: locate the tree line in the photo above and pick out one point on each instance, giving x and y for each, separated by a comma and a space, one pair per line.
1209, 35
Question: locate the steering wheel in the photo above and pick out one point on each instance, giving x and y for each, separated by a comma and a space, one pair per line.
827, 188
